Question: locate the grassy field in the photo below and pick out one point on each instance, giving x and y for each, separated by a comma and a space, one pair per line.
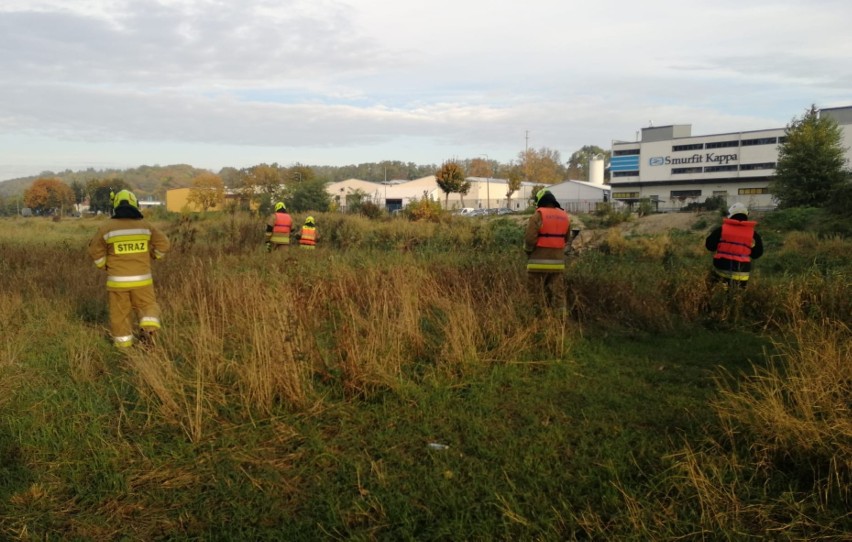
398, 383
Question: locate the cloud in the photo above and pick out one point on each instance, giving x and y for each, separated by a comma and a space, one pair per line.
453, 76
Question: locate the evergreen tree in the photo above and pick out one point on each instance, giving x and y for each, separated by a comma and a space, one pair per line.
811, 165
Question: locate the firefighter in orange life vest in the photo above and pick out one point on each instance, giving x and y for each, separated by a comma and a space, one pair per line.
124, 247
308, 235
278, 228
548, 233
735, 244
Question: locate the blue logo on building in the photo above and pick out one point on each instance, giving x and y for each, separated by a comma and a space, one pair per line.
657, 161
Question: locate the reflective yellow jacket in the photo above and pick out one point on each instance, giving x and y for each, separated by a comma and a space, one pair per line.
124, 248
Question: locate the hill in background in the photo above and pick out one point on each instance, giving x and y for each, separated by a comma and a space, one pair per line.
146, 180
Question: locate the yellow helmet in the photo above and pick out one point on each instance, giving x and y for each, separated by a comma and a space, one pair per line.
310, 220
540, 194
125, 196
279, 206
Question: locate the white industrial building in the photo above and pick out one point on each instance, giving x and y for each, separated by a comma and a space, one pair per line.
484, 193
672, 168
583, 196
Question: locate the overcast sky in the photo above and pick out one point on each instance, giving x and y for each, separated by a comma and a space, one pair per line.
214, 83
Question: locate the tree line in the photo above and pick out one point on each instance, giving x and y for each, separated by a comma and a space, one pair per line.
258, 185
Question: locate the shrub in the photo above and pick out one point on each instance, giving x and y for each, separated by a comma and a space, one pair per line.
424, 209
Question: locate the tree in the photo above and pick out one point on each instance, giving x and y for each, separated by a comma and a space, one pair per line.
259, 181
99, 193
450, 179
47, 195
514, 176
542, 166
479, 167
207, 192
300, 174
810, 170
79, 190
308, 196
578, 164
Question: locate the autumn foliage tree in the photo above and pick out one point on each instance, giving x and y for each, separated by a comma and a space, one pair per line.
450, 179
542, 166
207, 192
514, 176
260, 184
48, 195
480, 167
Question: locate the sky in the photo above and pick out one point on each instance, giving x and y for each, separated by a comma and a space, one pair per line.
234, 83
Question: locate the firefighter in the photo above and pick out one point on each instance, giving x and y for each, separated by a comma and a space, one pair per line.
278, 228
308, 235
124, 247
548, 233
735, 244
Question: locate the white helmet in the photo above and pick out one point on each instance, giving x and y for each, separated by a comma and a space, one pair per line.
737, 209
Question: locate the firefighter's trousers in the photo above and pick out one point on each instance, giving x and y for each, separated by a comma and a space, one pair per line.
123, 304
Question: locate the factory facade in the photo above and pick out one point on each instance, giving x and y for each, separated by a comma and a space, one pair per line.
672, 168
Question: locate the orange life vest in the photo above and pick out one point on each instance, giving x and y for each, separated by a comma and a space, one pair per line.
309, 236
283, 223
281, 229
554, 226
736, 240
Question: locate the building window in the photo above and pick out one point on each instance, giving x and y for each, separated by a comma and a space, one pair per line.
721, 144
625, 173
782, 139
752, 191
624, 163
685, 170
625, 195
765, 165
714, 169
760, 141
690, 147
683, 194
627, 152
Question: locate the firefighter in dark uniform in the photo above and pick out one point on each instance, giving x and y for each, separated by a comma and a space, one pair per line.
548, 233
734, 245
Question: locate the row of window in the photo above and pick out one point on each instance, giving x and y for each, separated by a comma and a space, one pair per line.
707, 169
687, 194
626, 152
731, 143
683, 194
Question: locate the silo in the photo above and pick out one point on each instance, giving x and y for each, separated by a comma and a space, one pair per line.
596, 170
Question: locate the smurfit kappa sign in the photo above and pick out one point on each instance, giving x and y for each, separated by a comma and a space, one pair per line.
697, 158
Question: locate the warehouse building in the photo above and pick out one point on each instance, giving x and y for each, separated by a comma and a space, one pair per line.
670, 167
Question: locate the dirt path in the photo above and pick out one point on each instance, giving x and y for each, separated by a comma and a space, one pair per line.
647, 225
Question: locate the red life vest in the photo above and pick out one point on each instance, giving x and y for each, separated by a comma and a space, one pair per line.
309, 236
283, 223
736, 240
554, 226
281, 229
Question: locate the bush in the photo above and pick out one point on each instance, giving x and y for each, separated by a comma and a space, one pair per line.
424, 209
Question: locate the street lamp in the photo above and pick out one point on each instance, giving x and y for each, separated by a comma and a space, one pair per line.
488, 182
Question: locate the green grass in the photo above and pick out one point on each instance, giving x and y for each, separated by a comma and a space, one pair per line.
531, 447
601, 425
